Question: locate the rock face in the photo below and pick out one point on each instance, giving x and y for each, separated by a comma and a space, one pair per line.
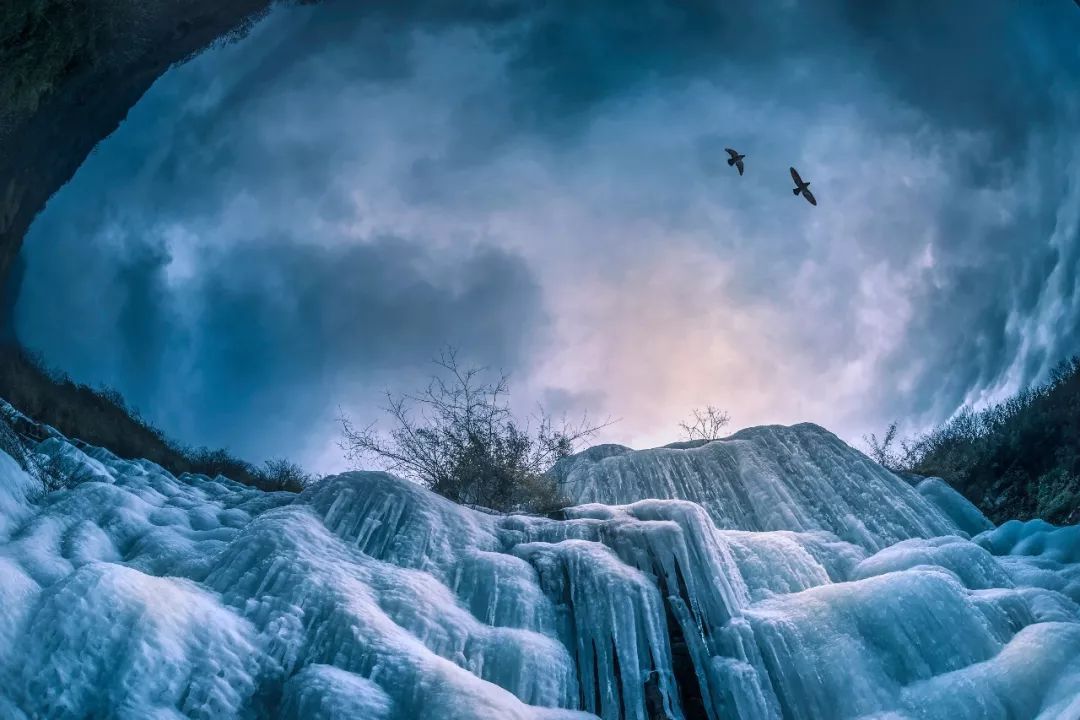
139, 594
124, 46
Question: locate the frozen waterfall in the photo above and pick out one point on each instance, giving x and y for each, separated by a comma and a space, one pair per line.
801, 478
775, 574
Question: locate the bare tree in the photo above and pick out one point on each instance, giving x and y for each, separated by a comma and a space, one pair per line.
705, 424
459, 438
898, 456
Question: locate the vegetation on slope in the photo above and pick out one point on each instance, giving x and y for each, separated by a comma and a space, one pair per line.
101, 417
1017, 459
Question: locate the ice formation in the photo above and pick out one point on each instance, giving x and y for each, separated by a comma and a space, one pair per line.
779, 575
801, 478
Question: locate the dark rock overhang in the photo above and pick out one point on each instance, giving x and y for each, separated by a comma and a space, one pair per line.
70, 70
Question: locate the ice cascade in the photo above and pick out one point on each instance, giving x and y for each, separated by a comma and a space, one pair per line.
775, 574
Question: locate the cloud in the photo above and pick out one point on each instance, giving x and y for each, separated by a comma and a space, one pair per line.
309, 214
217, 269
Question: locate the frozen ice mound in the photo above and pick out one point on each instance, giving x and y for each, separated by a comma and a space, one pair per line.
1034, 538
955, 506
800, 478
109, 637
136, 594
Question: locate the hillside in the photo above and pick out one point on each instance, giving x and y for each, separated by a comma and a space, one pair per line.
1017, 459
101, 417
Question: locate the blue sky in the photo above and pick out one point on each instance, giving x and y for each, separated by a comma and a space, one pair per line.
291, 224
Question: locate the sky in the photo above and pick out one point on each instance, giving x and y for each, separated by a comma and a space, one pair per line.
292, 224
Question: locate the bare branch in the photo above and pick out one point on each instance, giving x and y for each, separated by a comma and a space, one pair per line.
706, 424
881, 449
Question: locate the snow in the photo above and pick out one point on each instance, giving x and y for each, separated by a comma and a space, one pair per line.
780, 574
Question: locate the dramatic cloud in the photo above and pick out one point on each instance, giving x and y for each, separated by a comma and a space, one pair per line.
301, 219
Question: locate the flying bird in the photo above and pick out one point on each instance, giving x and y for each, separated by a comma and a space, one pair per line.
802, 187
735, 159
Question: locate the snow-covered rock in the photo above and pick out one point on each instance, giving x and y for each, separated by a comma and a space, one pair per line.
137, 594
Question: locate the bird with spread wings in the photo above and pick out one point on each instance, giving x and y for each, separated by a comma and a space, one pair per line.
802, 187
736, 159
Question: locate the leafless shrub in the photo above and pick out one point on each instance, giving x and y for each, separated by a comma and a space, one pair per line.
283, 474
459, 438
705, 424
882, 450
